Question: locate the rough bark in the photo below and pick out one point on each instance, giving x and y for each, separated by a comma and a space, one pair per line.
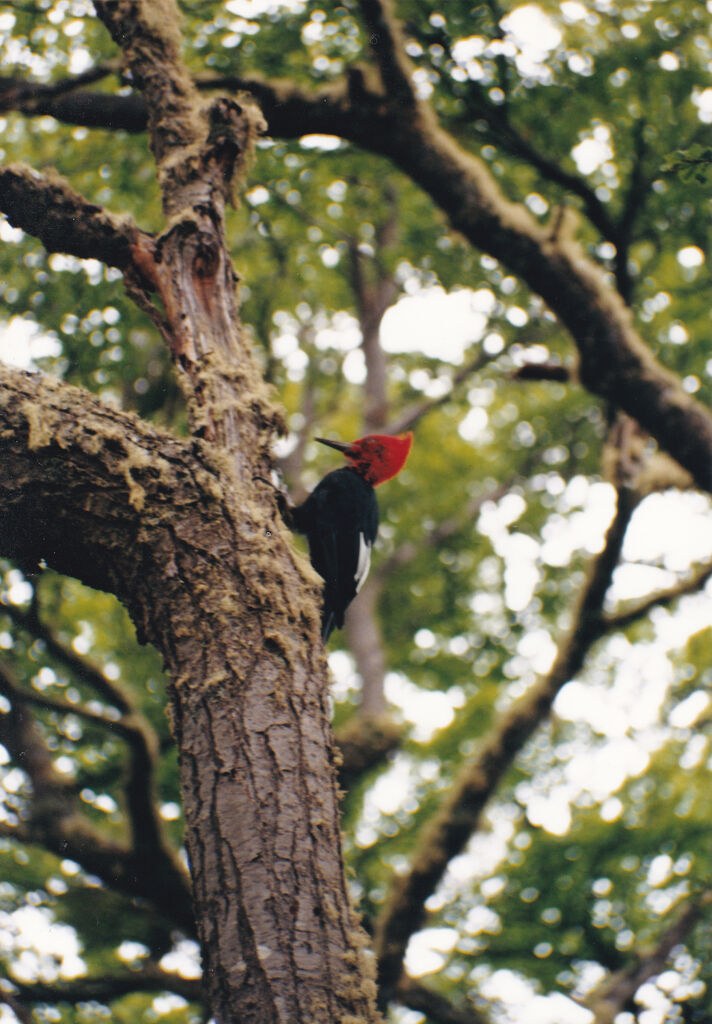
45, 205
212, 581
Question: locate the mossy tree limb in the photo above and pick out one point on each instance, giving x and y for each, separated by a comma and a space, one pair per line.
46, 206
212, 581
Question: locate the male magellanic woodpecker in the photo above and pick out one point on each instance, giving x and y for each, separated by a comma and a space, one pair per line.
340, 518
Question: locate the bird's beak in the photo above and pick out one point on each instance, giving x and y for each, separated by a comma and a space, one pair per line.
341, 446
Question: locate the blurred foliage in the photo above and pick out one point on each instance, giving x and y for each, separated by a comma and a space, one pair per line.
605, 109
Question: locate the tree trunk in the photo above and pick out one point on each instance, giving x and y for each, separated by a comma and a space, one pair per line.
211, 579
188, 536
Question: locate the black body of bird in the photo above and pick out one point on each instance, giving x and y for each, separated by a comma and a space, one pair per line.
340, 521
340, 518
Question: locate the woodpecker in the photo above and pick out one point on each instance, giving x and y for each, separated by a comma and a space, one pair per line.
340, 518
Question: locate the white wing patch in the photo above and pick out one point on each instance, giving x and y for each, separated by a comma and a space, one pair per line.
364, 561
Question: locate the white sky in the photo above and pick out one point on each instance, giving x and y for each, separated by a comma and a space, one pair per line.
438, 324
22, 342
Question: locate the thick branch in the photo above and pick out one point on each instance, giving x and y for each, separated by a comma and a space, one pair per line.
72, 488
46, 206
149, 37
451, 827
290, 110
197, 148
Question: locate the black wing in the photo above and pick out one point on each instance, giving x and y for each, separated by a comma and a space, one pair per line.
340, 521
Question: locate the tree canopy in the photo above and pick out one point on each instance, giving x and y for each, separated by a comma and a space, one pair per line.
484, 222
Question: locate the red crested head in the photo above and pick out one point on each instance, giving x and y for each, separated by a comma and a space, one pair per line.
376, 457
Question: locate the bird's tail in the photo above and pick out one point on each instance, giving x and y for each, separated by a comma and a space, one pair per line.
328, 624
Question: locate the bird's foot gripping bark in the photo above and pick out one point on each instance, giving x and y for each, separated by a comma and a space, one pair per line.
284, 506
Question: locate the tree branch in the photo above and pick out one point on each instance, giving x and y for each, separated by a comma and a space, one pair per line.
451, 827
543, 371
131, 725
512, 141
387, 45
82, 668
150, 45
75, 480
663, 599
364, 742
199, 148
46, 206
29, 97
147, 835
436, 1008
106, 988
150, 871
21, 1012
616, 993
291, 110
408, 419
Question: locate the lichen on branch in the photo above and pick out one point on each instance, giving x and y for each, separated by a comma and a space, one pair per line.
46, 206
